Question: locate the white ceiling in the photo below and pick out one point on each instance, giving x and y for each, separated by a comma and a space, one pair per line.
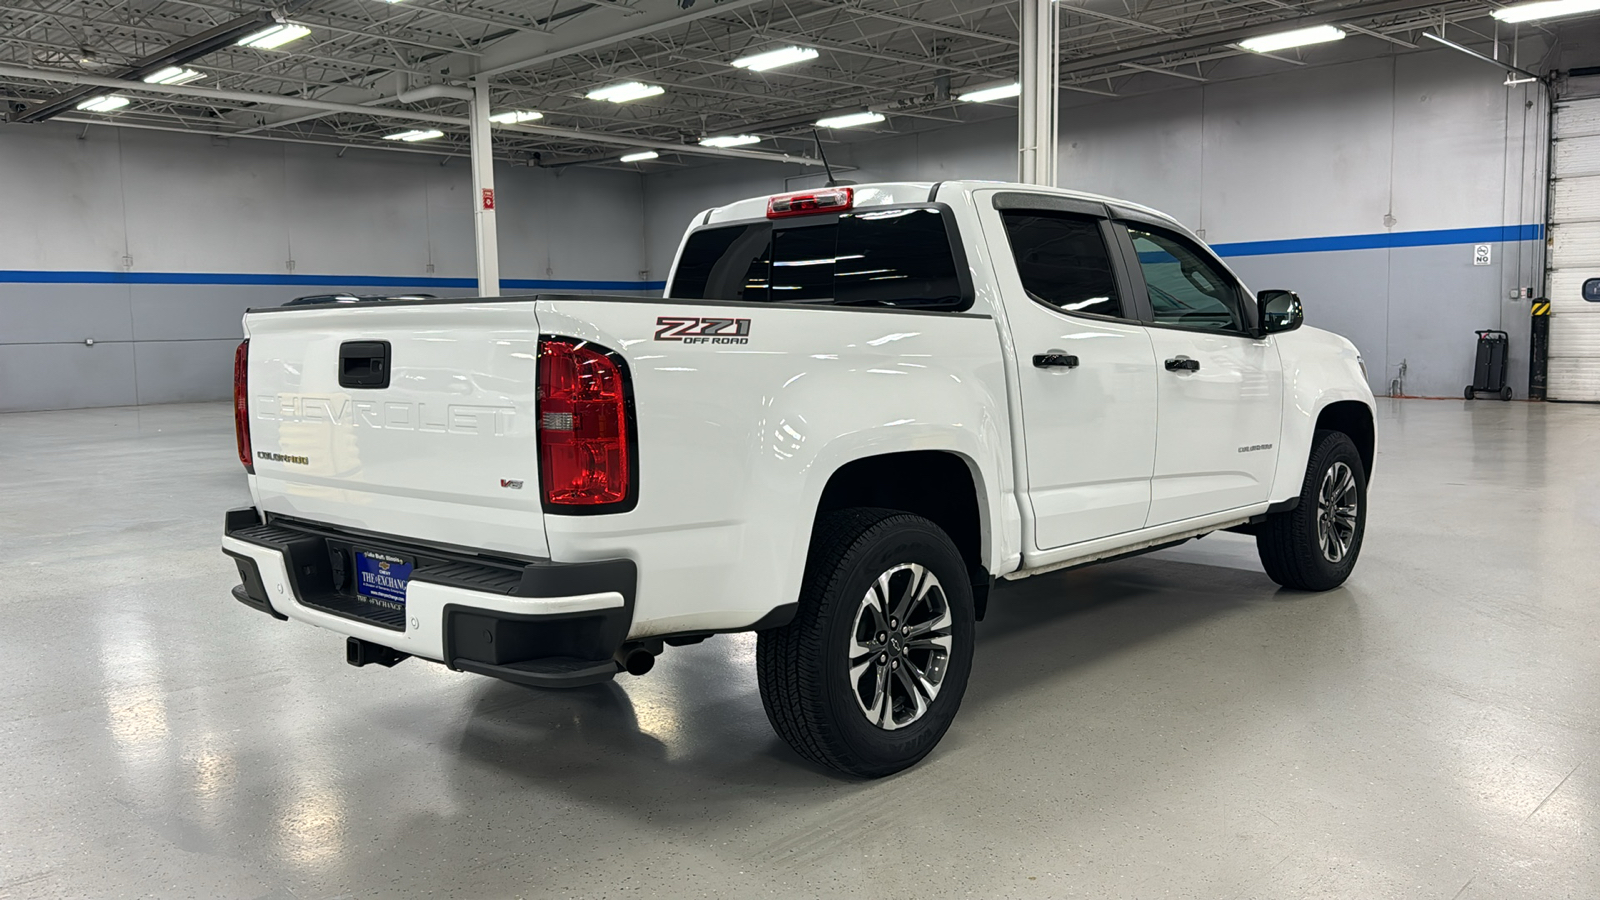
902, 57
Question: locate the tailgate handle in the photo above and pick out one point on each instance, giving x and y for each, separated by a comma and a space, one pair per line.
364, 364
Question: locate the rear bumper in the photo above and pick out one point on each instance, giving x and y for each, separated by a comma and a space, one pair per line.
531, 621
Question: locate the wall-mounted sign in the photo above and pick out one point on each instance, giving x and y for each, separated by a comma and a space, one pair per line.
1480, 254
488, 198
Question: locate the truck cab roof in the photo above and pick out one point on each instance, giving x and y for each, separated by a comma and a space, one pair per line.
896, 193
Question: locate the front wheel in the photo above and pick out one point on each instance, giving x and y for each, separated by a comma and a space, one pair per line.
1505, 392
1314, 546
868, 676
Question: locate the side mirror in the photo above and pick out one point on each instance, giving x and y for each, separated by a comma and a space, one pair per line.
1279, 311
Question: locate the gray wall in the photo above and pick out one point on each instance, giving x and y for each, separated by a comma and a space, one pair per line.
1264, 152
1434, 139
121, 218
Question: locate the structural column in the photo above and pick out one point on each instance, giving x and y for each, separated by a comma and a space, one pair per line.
1040, 77
483, 196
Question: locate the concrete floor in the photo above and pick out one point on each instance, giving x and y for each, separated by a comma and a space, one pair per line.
1170, 726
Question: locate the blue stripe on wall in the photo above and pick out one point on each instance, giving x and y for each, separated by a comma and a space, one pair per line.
24, 276
1488, 235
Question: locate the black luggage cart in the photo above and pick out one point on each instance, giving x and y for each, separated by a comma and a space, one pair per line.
1489, 375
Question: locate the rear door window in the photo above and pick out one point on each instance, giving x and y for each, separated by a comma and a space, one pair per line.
1064, 262
901, 258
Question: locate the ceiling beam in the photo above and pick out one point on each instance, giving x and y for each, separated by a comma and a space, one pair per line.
234, 98
619, 37
905, 59
855, 6
1225, 36
1138, 67
1476, 55
1378, 34
416, 11
176, 55
340, 145
97, 84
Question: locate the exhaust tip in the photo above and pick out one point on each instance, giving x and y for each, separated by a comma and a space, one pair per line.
636, 660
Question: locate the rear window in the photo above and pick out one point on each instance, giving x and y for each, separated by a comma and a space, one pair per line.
884, 257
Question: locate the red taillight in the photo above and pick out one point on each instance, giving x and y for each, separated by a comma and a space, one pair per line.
826, 201
585, 457
241, 404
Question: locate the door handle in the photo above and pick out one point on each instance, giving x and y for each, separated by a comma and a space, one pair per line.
1183, 364
1055, 361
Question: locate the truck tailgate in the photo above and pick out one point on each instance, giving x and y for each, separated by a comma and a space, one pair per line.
444, 451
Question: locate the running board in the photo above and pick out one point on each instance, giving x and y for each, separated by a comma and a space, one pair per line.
1135, 549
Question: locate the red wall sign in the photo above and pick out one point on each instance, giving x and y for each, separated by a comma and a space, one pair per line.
488, 198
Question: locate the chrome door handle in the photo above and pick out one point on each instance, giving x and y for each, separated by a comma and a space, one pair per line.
1183, 364
1055, 360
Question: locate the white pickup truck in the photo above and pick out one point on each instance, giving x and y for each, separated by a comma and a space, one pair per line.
853, 411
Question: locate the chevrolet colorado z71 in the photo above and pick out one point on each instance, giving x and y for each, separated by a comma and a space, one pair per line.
853, 410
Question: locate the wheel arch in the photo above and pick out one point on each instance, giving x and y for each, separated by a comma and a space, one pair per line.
942, 486
1353, 419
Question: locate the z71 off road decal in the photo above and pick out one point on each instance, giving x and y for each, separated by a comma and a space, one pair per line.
697, 330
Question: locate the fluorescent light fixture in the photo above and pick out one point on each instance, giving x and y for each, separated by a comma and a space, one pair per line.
850, 120
628, 90
173, 75
515, 116
730, 140
984, 95
641, 156
411, 137
274, 37
772, 59
1546, 9
105, 103
1300, 37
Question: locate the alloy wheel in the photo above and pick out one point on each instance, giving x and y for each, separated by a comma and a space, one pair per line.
900, 646
1338, 506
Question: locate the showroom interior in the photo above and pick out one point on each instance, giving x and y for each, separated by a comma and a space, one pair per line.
1169, 723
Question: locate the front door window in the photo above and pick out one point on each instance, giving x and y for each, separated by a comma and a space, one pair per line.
1186, 289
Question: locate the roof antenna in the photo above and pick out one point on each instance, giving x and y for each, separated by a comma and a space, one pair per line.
827, 168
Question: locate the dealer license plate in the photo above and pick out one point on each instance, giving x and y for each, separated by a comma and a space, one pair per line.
381, 579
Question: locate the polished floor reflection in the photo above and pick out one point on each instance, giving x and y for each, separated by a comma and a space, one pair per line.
1165, 726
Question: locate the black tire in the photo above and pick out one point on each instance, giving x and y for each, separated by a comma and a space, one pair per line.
1505, 392
804, 667
1291, 545
1470, 394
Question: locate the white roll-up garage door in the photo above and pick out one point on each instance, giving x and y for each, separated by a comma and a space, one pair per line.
1574, 372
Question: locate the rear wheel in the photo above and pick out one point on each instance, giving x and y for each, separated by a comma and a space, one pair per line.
1505, 392
868, 676
1314, 546
1470, 394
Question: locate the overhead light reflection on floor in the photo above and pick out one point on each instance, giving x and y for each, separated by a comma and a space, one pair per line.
215, 773
136, 717
658, 718
132, 680
311, 830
